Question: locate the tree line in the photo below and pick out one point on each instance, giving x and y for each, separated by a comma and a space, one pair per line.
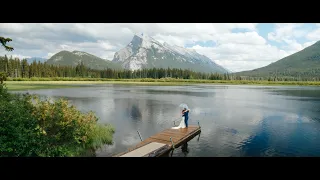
17, 68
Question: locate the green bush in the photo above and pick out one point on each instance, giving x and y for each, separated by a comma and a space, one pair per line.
30, 127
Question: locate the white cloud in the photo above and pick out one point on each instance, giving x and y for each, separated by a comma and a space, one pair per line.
48, 55
18, 56
314, 35
285, 31
292, 45
240, 38
239, 57
235, 51
13, 27
308, 44
101, 48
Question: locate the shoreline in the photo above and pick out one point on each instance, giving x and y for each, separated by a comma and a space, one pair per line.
16, 85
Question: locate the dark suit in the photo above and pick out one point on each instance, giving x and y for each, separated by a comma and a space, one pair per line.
186, 117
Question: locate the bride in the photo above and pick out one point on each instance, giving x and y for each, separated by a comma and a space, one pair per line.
182, 122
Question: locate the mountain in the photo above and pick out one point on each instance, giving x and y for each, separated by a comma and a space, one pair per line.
30, 60
67, 58
305, 63
145, 52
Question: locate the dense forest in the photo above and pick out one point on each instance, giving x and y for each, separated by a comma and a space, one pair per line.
16, 68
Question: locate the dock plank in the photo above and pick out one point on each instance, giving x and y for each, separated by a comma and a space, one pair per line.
145, 150
165, 137
179, 131
176, 133
179, 136
154, 140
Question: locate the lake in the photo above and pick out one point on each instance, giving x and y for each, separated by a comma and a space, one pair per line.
236, 120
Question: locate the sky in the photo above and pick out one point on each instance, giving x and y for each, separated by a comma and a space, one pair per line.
235, 46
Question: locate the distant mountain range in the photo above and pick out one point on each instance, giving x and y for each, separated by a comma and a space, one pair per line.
73, 58
305, 63
145, 52
142, 52
30, 60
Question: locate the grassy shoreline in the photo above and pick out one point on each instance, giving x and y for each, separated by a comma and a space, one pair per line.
50, 83
34, 85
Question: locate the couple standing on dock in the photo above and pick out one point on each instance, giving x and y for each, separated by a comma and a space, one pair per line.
184, 120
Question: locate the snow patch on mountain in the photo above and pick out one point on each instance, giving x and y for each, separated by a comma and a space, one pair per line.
80, 53
145, 51
58, 58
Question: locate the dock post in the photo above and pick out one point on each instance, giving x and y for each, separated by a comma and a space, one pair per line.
198, 137
139, 135
174, 123
199, 124
172, 143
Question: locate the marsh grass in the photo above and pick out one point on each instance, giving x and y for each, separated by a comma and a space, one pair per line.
50, 83
101, 134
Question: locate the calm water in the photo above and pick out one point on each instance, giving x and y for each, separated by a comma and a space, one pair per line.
235, 120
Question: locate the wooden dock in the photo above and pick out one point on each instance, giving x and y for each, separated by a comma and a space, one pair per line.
162, 143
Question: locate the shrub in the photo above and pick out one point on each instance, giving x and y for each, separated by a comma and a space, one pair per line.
30, 127
19, 136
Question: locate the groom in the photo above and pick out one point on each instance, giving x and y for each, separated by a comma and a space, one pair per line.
186, 116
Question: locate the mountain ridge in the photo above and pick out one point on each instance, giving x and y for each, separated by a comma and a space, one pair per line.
145, 52
304, 63
73, 58
142, 52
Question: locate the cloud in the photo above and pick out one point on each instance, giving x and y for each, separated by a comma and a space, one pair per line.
239, 57
306, 44
103, 49
236, 51
314, 35
19, 56
240, 38
286, 31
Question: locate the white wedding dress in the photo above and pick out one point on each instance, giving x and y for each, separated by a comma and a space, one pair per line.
181, 125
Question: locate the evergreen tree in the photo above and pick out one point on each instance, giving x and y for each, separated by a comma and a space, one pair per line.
4, 42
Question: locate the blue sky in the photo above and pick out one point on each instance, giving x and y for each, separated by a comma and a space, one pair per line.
238, 47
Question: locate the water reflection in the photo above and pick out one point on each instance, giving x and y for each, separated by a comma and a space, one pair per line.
185, 149
146, 115
302, 92
180, 92
235, 120
135, 112
276, 136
